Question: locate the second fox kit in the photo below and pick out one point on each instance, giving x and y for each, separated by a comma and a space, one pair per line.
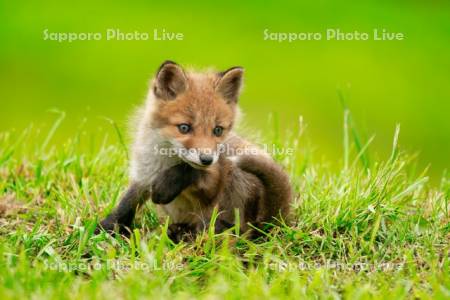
176, 159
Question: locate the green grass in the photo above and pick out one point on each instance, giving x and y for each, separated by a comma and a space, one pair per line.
375, 229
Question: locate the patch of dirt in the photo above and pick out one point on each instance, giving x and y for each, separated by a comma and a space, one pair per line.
10, 205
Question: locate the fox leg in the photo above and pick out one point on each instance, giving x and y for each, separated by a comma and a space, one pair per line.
167, 187
170, 183
123, 215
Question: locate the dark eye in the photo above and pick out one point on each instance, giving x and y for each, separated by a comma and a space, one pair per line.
218, 131
184, 128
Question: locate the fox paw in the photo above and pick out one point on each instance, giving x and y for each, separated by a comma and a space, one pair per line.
112, 227
180, 232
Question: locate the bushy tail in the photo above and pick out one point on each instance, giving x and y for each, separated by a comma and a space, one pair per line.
277, 198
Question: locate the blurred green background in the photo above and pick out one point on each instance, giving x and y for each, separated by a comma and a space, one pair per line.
386, 82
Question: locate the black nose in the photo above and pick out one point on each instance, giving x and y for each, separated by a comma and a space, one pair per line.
206, 159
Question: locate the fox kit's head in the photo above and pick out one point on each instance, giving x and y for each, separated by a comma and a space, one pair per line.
195, 111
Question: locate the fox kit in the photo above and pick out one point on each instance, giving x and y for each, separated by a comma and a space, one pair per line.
178, 159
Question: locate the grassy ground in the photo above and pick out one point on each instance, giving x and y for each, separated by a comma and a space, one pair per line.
376, 229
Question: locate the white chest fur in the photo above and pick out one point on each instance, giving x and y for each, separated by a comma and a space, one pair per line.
150, 158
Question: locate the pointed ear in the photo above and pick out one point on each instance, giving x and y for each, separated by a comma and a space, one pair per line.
170, 81
229, 84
